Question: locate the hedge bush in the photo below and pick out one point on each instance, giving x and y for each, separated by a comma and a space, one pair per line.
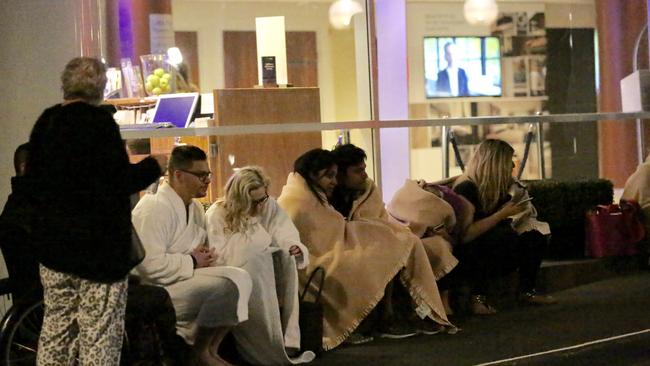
563, 205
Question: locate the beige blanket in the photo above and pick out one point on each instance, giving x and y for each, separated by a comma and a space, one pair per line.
526, 220
637, 188
360, 256
422, 211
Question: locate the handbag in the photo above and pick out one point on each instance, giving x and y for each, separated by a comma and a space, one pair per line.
136, 251
613, 230
311, 316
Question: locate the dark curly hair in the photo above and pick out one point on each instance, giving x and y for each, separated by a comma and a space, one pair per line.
348, 155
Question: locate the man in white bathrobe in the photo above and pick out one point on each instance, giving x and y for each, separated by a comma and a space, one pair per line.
208, 299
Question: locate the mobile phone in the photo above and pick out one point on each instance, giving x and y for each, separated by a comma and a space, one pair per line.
525, 200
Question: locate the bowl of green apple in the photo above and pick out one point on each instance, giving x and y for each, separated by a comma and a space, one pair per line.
157, 74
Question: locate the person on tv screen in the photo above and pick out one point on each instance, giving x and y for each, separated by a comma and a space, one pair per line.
452, 81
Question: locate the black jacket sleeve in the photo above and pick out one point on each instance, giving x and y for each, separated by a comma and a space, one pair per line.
125, 177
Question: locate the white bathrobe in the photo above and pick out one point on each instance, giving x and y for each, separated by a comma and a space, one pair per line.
263, 251
201, 297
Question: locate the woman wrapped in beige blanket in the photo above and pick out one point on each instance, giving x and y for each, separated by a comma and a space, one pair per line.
431, 219
361, 253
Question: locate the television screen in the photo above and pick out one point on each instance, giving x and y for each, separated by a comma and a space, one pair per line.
462, 67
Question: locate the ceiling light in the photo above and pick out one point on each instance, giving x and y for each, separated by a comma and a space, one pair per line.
342, 11
480, 12
174, 56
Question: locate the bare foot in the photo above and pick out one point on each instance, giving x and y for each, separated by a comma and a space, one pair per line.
215, 355
206, 358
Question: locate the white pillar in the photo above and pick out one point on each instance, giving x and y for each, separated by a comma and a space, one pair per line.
390, 18
38, 38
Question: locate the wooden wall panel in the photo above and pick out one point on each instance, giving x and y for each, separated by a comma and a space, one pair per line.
240, 54
162, 145
240, 59
275, 153
302, 59
618, 24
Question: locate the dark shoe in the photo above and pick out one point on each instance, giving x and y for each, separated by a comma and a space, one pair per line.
427, 326
358, 338
397, 330
292, 352
479, 306
532, 298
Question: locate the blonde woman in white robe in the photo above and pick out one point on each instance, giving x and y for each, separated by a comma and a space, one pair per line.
249, 230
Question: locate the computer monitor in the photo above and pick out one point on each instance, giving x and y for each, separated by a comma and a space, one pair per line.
207, 105
176, 109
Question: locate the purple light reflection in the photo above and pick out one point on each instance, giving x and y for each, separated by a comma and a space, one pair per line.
126, 30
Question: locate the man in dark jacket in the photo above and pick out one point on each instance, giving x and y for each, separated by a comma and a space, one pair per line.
17, 249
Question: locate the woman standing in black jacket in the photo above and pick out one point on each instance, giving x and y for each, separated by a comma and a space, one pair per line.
81, 180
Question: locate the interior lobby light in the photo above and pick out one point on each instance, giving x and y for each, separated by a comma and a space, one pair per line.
342, 11
174, 56
480, 12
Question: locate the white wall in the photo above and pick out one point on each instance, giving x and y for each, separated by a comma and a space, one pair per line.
38, 38
568, 15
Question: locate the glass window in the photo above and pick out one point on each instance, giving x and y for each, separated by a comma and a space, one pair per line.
525, 63
219, 45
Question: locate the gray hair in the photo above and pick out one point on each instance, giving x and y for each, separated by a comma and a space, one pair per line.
84, 78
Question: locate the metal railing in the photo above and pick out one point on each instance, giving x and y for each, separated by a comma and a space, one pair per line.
445, 123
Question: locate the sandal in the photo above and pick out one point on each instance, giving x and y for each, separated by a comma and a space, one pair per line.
533, 298
479, 306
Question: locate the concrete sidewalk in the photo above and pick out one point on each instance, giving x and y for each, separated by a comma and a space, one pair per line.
586, 313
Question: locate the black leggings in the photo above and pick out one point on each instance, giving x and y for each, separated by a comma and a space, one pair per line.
497, 253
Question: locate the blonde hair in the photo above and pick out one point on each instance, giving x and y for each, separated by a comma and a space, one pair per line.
491, 170
237, 200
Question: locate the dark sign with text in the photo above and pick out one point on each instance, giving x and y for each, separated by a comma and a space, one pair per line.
268, 70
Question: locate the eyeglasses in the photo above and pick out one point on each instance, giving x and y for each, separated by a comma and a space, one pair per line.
261, 200
203, 176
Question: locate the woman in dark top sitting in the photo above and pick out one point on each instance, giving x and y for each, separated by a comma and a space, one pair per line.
490, 246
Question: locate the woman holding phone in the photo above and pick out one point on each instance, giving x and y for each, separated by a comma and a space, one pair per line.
492, 245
